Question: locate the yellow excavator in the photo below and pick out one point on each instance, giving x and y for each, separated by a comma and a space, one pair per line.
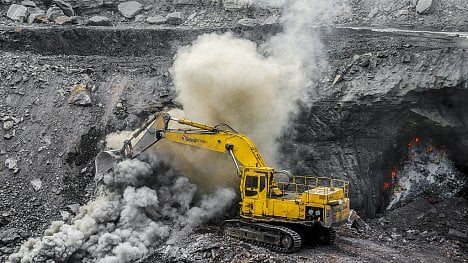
279, 215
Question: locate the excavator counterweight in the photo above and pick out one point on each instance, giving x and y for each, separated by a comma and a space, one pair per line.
275, 214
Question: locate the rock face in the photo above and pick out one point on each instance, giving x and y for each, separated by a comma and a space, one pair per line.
17, 12
424, 6
130, 9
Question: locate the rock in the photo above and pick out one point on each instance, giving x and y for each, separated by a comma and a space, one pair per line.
7, 125
271, 20
156, 20
54, 12
36, 184
66, 7
235, 4
130, 9
403, 12
174, 18
99, 21
37, 16
9, 235
184, 2
357, 222
80, 96
373, 12
17, 12
28, 3
424, 7
248, 22
11, 163
63, 20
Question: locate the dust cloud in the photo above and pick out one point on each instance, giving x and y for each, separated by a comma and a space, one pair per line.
143, 206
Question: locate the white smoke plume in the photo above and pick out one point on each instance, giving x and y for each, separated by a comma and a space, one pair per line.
142, 208
427, 170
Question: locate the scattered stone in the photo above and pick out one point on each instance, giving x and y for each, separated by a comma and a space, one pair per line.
7, 125
99, 21
174, 18
17, 12
54, 12
424, 7
130, 9
406, 59
9, 235
28, 3
66, 7
80, 96
248, 22
156, 20
63, 20
36, 184
184, 2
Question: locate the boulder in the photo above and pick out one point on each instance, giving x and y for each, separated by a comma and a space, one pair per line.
36, 184
7, 125
424, 7
174, 18
79, 20
63, 20
130, 9
99, 21
271, 20
17, 12
54, 12
9, 235
156, 20
66, 7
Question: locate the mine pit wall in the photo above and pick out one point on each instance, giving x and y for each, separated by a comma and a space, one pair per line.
357, 129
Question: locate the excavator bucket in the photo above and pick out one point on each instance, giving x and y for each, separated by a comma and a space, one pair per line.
105, 161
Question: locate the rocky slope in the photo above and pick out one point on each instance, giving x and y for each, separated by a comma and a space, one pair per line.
377, 93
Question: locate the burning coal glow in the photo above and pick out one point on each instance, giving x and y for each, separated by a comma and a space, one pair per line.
426, 170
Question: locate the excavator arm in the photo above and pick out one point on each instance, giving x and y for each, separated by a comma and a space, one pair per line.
238, 146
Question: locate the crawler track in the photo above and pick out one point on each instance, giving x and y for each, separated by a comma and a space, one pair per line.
277, 238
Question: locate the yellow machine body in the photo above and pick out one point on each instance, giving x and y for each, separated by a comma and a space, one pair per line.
303, 199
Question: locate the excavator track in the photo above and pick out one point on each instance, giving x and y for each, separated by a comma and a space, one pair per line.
276, 238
